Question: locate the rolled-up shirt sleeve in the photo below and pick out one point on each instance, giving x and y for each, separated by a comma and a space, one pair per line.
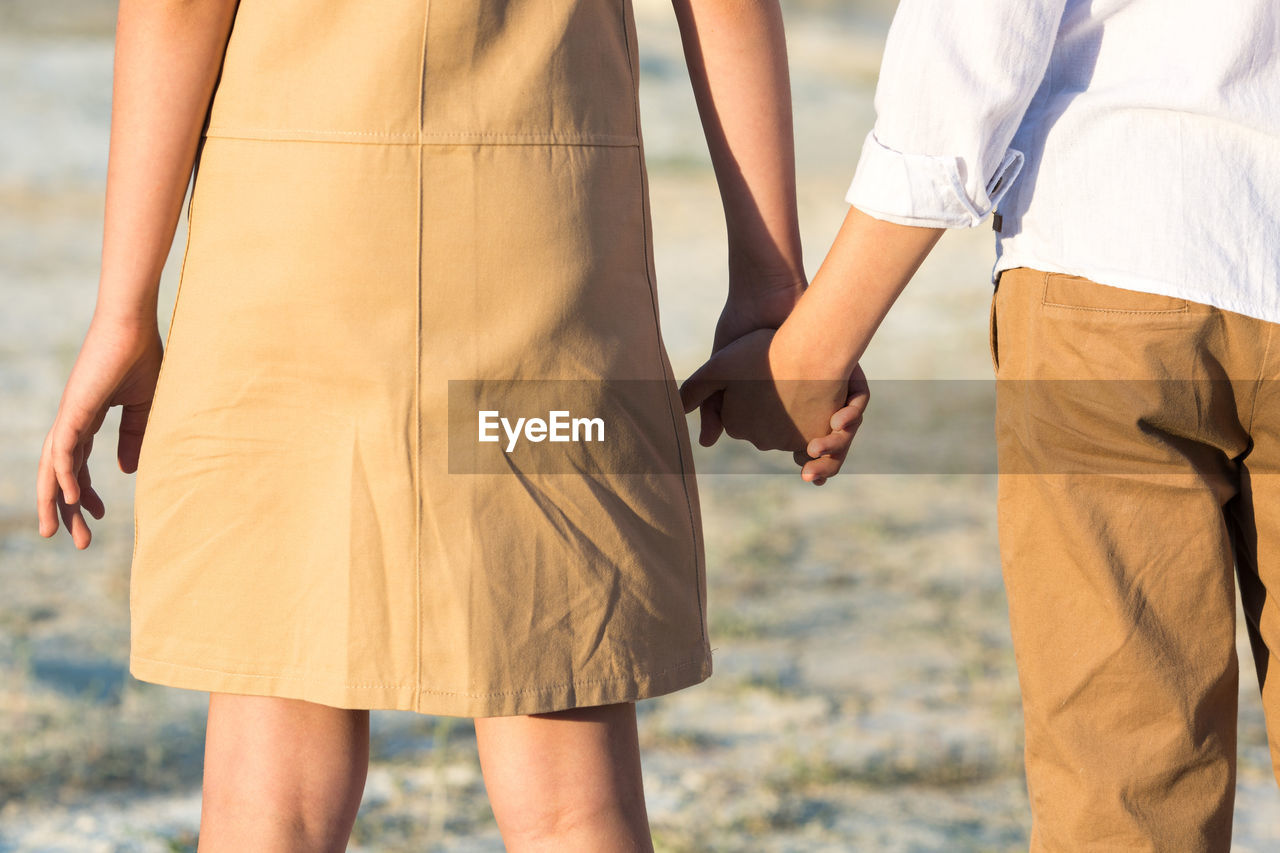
956, 80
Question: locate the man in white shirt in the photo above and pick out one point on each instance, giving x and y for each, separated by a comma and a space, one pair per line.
1131, 152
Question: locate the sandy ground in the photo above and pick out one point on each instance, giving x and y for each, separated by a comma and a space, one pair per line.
865, 696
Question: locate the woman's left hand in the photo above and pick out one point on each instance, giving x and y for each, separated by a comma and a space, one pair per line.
118, 365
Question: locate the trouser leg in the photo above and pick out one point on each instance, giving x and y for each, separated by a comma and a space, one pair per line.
1118, 561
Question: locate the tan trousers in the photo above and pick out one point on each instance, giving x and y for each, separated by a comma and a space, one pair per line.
1139, 440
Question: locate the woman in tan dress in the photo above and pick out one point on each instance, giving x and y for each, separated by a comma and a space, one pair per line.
406, 214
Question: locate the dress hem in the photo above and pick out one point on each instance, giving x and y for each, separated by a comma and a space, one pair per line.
408, 697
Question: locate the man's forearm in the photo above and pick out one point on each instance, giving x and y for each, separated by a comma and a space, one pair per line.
868, 266
168, 54
737, 59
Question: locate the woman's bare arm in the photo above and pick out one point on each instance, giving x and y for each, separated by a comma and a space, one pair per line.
168, 55
737, 57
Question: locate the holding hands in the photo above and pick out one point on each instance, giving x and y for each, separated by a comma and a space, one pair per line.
792, 381
757, 387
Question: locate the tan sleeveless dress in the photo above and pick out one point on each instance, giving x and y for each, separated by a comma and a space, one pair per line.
403, 210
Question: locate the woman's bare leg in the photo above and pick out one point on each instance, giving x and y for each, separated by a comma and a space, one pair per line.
281, 775
567, 782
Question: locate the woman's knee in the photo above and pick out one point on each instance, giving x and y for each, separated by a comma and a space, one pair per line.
567, 780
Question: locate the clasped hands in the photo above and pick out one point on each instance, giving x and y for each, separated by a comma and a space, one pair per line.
762, 387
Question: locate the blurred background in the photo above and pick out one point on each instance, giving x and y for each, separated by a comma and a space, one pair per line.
865, 696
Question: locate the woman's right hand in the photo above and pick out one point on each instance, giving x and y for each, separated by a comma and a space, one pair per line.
118, 365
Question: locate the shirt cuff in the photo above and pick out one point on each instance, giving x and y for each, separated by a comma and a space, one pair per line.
924, 189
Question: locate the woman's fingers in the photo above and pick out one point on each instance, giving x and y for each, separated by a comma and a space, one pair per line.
73, 520
65, 512
711, 424
47, 490
89, 498
115, 367
64, 486
133, 422
64, 464
701, 386
745, 358
705, 392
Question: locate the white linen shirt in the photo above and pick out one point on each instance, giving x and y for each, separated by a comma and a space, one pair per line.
1132, 142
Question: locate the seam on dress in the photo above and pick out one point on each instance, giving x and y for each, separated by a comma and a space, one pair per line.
286, 132
424, 138
623, 10
650, 275
685, 664
417, 373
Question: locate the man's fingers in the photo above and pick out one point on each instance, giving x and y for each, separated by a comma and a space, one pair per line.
829, 453
835, 444
859, 392
847, 419
819, 471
